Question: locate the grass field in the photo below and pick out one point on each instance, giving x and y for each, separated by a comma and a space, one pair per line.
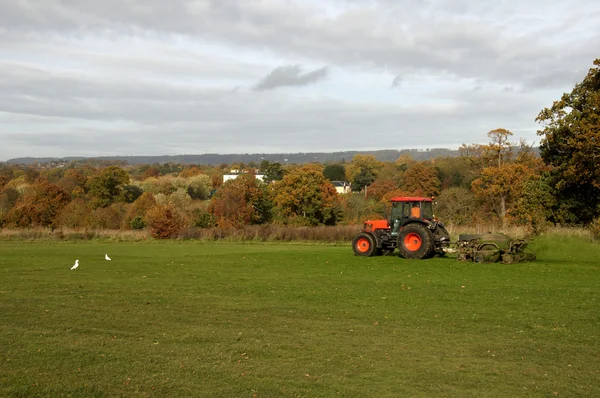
171, 319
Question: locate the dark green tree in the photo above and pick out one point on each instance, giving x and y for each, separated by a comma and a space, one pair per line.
107, 186
571, 146
335, 172
272, 171
365, 177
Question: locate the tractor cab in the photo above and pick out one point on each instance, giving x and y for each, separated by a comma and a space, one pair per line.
409, 209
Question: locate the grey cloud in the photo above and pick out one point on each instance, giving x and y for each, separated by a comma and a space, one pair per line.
291, 75
397, 82
466, 39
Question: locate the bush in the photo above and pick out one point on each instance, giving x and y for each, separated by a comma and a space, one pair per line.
165, 221
203, 219
137, 223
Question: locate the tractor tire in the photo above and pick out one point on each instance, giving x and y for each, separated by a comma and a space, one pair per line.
415, 241
364, 245
439, 234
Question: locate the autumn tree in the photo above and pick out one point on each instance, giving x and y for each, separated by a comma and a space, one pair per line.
420, 179
139, 208
74, 215
72, 179
571, 145
107, 186
490, 160
150, 171
305, 197
380, 188
165, 221
241, 201
39, 205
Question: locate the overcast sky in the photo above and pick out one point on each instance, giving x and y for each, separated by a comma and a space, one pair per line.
153, 77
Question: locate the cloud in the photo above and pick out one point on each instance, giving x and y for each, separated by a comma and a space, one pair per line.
149, 76
291, 75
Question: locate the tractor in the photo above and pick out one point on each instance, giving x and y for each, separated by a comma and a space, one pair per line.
412, 229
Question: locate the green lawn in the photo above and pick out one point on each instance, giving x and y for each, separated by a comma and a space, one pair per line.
171, 319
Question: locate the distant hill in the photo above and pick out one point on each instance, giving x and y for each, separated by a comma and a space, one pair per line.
386, 155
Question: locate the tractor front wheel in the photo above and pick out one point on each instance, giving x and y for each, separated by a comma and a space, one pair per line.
364, 245
415, 241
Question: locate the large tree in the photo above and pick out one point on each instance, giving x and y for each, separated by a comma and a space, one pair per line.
39, 206
241, 201
362, 171
107, 186
571, 145
305, 197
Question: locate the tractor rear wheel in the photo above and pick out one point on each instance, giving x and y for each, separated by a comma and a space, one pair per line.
364, 245
416, 241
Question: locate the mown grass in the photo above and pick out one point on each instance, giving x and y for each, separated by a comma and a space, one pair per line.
273, 320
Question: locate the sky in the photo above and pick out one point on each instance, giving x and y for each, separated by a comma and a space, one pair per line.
170, 77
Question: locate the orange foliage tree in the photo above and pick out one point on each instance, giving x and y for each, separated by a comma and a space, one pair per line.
39, 205
420, 179
241, 201
165, 221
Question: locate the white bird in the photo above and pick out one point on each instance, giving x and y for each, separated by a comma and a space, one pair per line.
106, 257
76, 265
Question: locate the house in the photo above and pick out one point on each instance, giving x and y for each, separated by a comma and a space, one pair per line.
235, 173
341, 187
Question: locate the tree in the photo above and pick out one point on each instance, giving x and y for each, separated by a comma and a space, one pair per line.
272, 171
198, 186
362, 171
165, 221
8, 200
420, 179
74, 215
495, 180
305, 197
380, 188
39, 205
456, 205
241, 201
106, 187
139, 208
571, 145
335, 172
71, 179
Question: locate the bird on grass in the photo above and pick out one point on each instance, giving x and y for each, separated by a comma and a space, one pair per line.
106, 257
76, 265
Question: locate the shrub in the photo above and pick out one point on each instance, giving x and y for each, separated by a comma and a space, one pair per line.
74, 214
139, 208
203, 219
165, 221
137, 223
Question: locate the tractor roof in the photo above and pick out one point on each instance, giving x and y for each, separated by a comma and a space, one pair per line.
410, 199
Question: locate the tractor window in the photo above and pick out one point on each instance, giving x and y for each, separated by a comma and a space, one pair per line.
397, 210
426, 210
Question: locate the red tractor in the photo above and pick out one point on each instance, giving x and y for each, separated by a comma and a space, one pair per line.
411, 228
